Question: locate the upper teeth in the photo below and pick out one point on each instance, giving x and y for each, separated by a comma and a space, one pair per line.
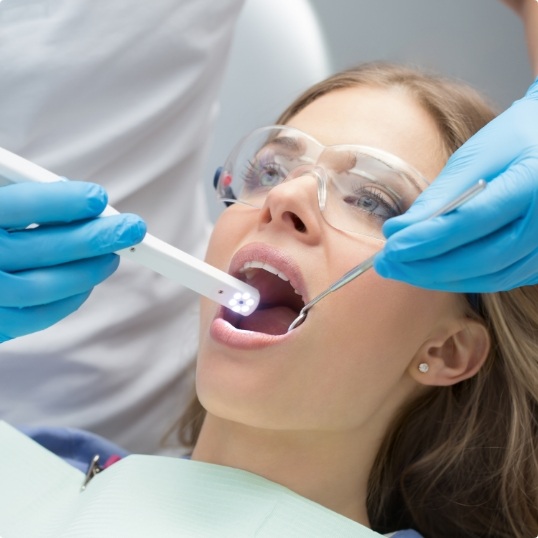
248, 270
261, 265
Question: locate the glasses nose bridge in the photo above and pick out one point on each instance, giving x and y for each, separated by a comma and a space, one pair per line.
318, 173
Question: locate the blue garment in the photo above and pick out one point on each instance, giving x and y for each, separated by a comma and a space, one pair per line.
78, 447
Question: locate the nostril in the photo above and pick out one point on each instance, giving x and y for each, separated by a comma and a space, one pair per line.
297, 222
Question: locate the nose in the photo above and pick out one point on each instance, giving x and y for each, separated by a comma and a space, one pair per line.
293, 206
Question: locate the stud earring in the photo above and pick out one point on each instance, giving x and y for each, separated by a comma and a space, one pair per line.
423, 367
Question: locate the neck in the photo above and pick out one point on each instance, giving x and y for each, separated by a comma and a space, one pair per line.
328, 468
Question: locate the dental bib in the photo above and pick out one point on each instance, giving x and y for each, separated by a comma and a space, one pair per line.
143, 496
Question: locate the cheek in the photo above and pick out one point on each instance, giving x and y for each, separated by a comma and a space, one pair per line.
371, 333
381, 321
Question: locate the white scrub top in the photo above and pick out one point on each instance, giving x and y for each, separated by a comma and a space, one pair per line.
122, 93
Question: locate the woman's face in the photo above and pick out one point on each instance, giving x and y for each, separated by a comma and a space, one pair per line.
348, 366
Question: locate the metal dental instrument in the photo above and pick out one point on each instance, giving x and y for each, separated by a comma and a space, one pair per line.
153, 252
368, 263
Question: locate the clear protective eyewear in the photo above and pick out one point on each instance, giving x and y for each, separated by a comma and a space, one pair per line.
358, 187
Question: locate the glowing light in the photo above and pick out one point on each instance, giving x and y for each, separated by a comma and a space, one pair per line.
241, 302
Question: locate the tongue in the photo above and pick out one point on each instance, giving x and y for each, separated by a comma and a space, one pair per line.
274, 320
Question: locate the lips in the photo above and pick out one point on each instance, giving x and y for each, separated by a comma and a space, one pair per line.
282, 295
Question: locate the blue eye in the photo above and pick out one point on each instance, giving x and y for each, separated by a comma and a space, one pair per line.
260, 174
373, 201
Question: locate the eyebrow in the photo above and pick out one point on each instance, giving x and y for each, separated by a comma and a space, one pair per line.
293, 145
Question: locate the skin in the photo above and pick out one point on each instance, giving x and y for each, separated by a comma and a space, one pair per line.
310, 411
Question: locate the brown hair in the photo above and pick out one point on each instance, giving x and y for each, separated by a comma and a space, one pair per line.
460, 460
457, 109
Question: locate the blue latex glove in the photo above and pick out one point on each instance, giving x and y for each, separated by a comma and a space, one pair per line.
491, 242
49, 271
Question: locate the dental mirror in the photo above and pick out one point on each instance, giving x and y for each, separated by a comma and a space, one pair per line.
368, 263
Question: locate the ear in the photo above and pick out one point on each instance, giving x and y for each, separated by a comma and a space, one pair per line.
453, 356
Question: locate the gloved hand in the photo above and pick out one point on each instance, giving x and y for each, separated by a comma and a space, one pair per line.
491, 242
47, 272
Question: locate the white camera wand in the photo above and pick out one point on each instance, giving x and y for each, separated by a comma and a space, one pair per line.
153, 252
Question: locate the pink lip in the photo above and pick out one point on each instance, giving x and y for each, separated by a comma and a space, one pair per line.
223, 332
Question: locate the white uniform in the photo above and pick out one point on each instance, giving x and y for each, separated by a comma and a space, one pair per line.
123, 93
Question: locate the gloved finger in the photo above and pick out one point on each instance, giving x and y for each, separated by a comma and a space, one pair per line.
480, 262
520, 273
47, 285
16, 322
22, 204
487, 154
512, 196
54, 245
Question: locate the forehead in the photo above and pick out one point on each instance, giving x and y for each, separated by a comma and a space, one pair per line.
389, 119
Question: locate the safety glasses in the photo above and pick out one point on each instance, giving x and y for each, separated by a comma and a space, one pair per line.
358, 187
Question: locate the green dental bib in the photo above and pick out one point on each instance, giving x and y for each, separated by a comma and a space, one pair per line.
150, 496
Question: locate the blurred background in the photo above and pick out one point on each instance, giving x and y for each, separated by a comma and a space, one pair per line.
283, 46
480, 41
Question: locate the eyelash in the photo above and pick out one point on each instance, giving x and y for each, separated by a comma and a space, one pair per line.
380, 196
251, 173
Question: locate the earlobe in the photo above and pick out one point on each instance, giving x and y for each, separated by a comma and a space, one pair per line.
453, 358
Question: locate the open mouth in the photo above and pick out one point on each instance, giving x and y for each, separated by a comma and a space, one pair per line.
279, 304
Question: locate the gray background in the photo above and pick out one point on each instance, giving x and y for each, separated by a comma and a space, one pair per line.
283, 46
481, 41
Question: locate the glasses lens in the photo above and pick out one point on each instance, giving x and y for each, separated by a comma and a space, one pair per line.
364, 186
263, 160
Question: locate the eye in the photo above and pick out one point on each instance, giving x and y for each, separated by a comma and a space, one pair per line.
263, 173
373, 201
